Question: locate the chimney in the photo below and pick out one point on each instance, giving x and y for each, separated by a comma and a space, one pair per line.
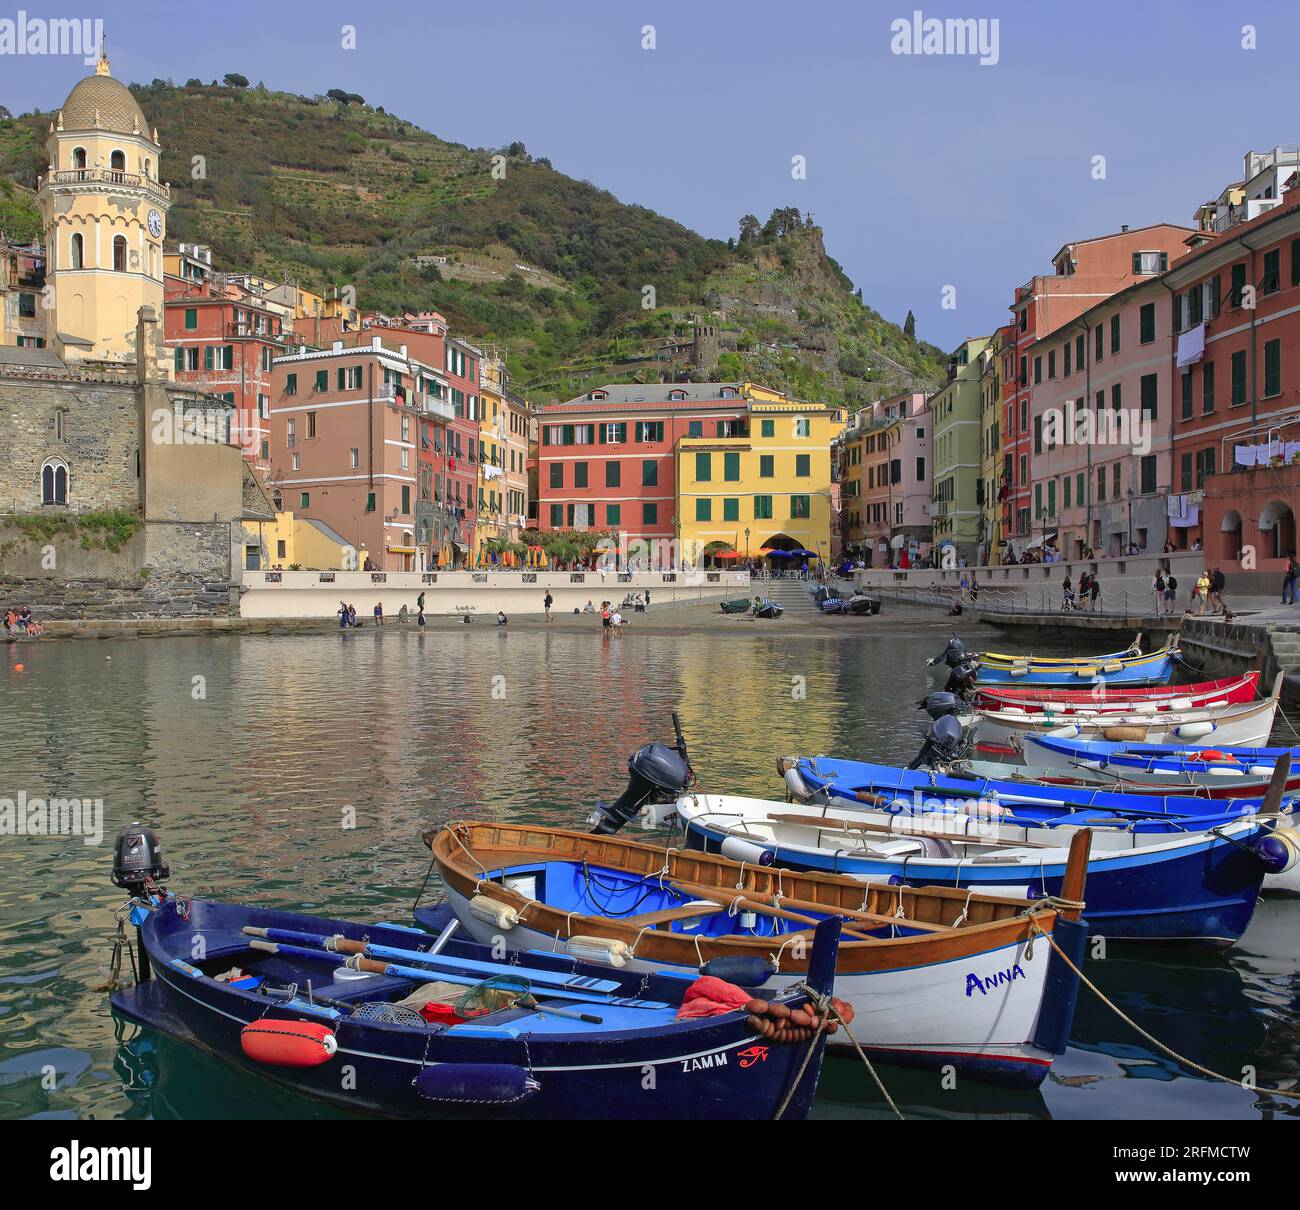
1124, 228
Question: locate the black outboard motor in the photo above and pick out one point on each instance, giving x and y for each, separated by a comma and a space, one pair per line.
657, 773
940, 704
138, 858
961, 680
942, 744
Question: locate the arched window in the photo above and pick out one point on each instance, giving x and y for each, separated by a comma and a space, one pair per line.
79, 158
54, 482
117, 164
78, 252
148, 169
119, 253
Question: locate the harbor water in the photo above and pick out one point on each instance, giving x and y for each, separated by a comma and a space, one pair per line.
299, 771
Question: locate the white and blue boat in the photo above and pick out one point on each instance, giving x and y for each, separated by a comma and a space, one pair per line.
1155, 878
1129, 668
885, 788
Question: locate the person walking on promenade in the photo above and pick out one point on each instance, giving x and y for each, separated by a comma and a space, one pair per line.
1289, 579
1067, 592
1158, 591
1201, 593
1171, 592
547, 603
1094, 591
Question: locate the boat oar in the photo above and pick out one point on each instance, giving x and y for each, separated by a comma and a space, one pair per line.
424, 976
342, 945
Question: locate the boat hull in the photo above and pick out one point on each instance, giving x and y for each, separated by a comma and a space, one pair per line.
678, 1071
1197, 887
958, 1014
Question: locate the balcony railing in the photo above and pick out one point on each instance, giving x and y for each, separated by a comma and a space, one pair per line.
104, 176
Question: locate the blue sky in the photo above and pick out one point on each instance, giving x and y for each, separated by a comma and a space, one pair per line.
924, 172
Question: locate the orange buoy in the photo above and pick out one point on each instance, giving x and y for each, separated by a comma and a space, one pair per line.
20, 667
1212, 754
288, 1043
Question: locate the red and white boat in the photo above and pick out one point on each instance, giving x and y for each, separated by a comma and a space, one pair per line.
1230, 691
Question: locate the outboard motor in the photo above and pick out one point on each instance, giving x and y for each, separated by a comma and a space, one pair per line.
657, 773
941, 704
138, 859
961, 680
942, 744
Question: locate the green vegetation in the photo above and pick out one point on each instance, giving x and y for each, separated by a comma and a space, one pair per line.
329, 191
103, 530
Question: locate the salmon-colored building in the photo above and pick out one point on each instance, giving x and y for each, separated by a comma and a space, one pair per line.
224, 342
347, 424
1236, 425
606, 459
1085, 272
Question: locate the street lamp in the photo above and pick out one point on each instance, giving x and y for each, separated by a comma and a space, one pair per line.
747, 543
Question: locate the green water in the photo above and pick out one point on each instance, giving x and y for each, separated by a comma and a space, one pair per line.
250, 772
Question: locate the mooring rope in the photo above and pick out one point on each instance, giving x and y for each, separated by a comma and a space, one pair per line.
1123, 1016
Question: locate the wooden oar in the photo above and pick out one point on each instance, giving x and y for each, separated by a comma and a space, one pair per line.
846, 825
342, 945
721, 896
423, 976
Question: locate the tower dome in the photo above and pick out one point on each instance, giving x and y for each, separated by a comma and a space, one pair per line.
100, 102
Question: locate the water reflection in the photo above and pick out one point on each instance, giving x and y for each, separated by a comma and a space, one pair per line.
300, 771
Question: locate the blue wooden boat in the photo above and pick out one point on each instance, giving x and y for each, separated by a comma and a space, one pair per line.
1160, 868
590, 1041
1252, 761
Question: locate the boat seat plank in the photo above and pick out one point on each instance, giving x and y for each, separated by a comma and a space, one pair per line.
668, 915
829, 824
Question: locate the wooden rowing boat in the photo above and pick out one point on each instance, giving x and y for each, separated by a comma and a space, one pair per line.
936, 975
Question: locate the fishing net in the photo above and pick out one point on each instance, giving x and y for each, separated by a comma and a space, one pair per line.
492, 995
381, 1012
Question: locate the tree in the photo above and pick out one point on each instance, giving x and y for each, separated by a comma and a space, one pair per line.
749, 229
232, 79
193, 82
909, 326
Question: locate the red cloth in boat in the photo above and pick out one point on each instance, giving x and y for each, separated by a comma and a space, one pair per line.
709, 996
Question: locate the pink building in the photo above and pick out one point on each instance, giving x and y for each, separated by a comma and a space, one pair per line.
1084, 273
884, 469
344, 425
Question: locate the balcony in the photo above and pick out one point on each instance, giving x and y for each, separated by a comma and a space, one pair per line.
104, 176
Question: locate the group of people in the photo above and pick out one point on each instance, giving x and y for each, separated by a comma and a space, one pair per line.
1089, 592
348, 614
1207, 593
21, 622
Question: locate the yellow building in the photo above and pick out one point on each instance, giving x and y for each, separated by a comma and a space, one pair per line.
503, 459
104, 213
769, 486
992, 449
289, 543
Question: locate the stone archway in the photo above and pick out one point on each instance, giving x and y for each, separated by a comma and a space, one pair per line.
1277, 521
1230, 542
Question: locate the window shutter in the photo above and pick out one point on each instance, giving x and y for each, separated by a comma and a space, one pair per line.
180, 360
341, 379
1137, 262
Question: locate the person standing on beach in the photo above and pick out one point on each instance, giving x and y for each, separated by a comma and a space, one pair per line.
419, 603
547, 603
379, 613
420, 618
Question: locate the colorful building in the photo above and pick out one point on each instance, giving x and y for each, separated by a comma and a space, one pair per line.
993, 453
883, 461
223, 342
958, 462
22, 281
503, 462
766, 484
607, 459
347, 428
1084, 273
